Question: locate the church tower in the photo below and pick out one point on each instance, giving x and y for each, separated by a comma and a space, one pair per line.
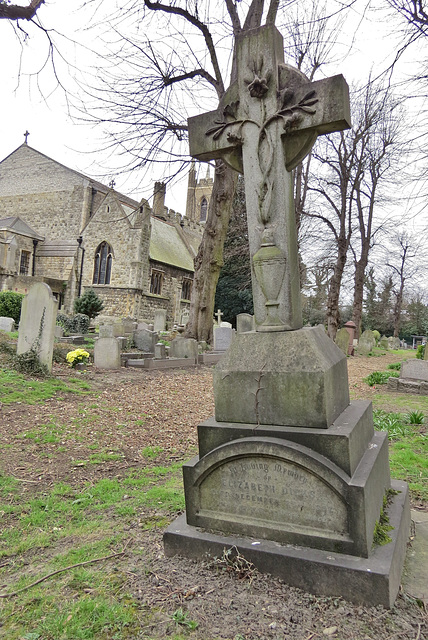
198, 195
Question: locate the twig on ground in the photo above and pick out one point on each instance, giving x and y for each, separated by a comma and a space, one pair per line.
54, 573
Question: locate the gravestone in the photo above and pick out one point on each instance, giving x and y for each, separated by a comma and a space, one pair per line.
145, 340
366, 343
118, 329
184, 348
59, 331
393, 343
223, 337
107, 353
426, 353
351, 328
342, 340
383, 343
290, 474
160, 351
37, 324
7, 324
244, 323
184, 318
106, 331
414, 370
160, 320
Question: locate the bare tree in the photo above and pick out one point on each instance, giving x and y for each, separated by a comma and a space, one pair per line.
405, 261
379, 157
172, 78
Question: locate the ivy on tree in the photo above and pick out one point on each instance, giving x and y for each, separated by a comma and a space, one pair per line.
90, 304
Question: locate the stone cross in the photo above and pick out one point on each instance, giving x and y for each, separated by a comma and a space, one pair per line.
219, 315
26, 134
266, 123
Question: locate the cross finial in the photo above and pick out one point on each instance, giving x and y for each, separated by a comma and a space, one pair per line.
219, 315
112, 184
26, 134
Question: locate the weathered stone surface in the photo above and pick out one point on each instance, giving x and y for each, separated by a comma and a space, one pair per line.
244, 323
414, 370
107, 353
393, 343
160, 351
106, 331
342, 340
223, 337
393, 383
408, 386
369, 582
279, 490
7, 324
184, 348
145, 340
37, 324
344, 443
159, 323
383, 343
366, 342
296, 378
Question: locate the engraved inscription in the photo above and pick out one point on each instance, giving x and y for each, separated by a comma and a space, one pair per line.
273, 491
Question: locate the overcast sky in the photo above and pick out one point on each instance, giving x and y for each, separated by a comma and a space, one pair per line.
36, 103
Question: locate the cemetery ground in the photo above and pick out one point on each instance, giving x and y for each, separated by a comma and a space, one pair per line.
90, 476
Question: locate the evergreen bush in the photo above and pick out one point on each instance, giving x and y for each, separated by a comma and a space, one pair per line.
10, 305
89, 304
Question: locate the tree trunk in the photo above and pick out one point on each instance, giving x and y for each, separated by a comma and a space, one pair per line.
333, 313
209, 260
360, 270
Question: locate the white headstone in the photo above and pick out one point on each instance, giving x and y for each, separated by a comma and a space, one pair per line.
7, 324
223, 337
37, 324
160, 320
107, 353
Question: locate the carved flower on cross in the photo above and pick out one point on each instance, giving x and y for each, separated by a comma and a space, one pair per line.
259, 85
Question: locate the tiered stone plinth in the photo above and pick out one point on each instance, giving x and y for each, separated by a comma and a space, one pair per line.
292, 474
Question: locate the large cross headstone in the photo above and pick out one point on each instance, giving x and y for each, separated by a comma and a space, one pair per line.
289, 472
265, 125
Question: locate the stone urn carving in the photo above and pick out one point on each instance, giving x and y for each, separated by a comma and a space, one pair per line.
269, 267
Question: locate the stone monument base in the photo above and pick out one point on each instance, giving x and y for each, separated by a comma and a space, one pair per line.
366, 581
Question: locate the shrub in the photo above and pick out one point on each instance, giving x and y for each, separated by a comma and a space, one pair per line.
380, 377
420, 352
10, 305
90, 304
376, 336
78, 323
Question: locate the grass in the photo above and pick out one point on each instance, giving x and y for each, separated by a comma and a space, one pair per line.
408, 453
16, 387
70, 525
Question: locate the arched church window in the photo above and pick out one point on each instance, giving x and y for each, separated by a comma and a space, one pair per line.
102, 264
204, 210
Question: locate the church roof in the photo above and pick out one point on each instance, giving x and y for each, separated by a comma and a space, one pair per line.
167, 246
99, 186
14, 224
57, 248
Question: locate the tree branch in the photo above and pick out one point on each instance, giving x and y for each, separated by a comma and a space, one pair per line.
17, 12
178, 11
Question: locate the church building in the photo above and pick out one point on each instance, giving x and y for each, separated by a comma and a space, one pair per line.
61, 227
